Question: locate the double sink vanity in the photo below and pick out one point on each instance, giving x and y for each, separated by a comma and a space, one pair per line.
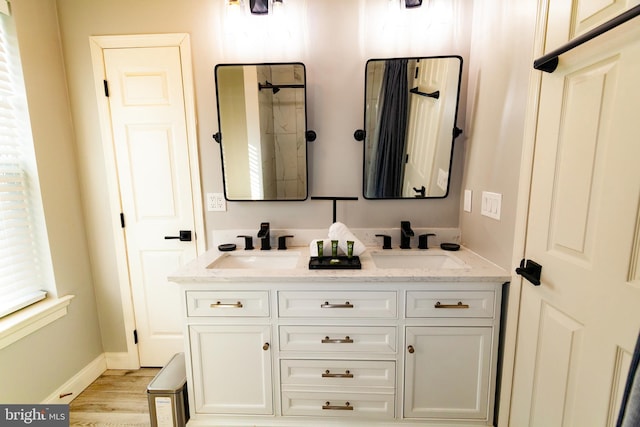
409, 338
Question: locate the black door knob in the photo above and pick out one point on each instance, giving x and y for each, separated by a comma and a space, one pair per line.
185, 236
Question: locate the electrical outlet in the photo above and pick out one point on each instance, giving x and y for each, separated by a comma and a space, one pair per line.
216, 202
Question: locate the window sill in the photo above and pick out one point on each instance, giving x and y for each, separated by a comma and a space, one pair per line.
28, 320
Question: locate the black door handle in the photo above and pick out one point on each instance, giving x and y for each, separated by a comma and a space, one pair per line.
185, 236
421, 191
530, 270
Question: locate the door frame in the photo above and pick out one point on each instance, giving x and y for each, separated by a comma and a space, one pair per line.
522, 217
98, 44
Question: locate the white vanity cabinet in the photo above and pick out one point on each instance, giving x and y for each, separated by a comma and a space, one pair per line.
449, 365
341, 353
338, 353
272, 346
231, 361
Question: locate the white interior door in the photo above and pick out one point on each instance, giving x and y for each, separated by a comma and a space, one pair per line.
577, 329
149, 131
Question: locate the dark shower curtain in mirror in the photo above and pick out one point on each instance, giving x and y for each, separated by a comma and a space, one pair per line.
387, 167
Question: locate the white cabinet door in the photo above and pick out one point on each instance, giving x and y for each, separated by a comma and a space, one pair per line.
231, 369
447, 372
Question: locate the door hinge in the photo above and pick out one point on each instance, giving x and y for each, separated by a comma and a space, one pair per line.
122, 219
106, 88
530, 270
135, 336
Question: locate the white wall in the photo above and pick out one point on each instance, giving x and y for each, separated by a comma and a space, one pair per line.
334, 38
500, 65
35, 366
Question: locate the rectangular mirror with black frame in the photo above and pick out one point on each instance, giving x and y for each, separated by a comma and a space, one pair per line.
411, 106
262, 131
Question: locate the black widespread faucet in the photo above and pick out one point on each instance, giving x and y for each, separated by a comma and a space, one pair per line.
405, 235
263, 235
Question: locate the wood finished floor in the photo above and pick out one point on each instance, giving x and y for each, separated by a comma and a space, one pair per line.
116, 398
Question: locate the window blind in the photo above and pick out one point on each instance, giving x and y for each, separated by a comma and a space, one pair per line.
21, 276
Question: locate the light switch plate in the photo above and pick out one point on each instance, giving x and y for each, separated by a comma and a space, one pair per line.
216, 202
491, 204
467, 200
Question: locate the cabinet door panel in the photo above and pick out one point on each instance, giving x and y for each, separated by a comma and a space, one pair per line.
232, 369
447, 372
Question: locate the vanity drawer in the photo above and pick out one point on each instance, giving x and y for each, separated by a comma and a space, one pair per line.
227, 304
340, 373
350, 339
450, 304
335, 404
345, 304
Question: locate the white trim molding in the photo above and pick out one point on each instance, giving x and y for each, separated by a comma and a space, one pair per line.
121, 360
30, 319
76, 384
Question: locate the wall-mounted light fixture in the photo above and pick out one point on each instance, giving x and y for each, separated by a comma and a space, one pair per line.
259, 7
256, 7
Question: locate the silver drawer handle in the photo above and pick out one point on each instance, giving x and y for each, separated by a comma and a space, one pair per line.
218, 304
347, 407
328, 374
458, 305
345, 305
345, 340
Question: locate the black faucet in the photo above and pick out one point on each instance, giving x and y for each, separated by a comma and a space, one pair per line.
263, 234
423, 240
282, 242
248, 242
405, 235
386, 242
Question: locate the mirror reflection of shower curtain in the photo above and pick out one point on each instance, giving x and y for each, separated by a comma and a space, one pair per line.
386, 170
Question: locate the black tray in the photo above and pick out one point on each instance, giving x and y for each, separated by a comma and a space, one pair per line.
334, 263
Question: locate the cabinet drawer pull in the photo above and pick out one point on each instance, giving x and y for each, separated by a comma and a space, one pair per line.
410, 349
458, 305
347, 407
328, 305
265, 346
218, 304
345, 340
328, 374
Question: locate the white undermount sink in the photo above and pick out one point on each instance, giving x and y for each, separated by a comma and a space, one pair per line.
259, 260
417, 260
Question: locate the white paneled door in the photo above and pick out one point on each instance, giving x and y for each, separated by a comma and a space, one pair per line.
422, 134
577, 329
148, 124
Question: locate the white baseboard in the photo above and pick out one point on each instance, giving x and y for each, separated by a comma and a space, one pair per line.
72, 388
122, 360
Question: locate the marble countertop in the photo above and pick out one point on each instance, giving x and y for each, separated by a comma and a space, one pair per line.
475, 269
